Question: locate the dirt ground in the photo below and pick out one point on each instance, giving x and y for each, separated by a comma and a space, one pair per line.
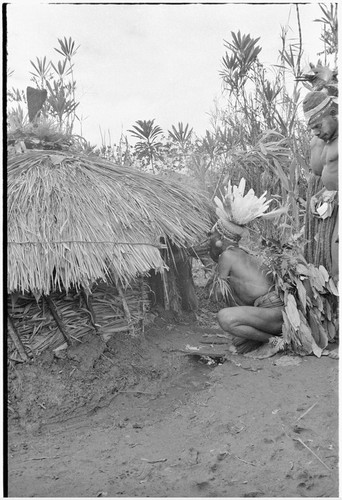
139, 417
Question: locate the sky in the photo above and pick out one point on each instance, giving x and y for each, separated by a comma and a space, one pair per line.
144, 62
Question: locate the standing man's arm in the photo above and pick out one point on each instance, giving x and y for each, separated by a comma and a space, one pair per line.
317, 156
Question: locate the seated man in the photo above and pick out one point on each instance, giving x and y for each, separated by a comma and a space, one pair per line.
256, 320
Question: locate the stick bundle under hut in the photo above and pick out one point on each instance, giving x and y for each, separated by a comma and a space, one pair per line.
90, 244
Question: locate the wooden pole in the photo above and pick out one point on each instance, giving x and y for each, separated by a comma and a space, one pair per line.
125, 306
16, 339
142, 296
88, 301
58, 320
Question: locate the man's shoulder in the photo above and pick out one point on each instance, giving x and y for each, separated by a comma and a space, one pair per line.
234, 252
231, 248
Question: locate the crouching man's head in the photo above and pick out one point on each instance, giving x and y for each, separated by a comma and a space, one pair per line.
224, 234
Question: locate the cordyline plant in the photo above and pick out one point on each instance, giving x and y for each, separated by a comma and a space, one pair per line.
181, 136
57, 80
148, 147
61, 101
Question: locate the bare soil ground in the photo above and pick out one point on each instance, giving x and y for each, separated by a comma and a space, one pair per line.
140, 418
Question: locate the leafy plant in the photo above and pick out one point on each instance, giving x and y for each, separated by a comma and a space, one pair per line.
329, 36
237, 65
181, 135
148, 147
42, 68
58, 80
120, 154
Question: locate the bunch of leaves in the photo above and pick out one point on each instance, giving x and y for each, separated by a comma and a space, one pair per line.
220, 290
180, 151
181, 135
257, 101
178, 147
15, 95
81, 145
201, 159
58, 79
148, 147
329, 36
309, 295
23, 135
120, 153
237, 64
206, 160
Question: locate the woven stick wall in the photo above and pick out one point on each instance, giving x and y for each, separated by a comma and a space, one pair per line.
37, 328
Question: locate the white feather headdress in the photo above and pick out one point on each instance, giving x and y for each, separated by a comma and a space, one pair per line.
235, 208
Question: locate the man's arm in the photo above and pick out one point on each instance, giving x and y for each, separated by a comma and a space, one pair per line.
225, 264
317, 156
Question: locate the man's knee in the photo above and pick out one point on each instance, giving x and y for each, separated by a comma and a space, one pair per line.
227, 318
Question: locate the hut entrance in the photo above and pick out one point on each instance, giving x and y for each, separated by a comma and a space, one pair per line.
175, 289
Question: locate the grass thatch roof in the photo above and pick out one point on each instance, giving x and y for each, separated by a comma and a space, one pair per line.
71, 216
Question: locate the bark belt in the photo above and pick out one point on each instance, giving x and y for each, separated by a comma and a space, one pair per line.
270, 299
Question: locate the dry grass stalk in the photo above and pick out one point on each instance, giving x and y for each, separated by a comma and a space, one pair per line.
57, 319
16, 339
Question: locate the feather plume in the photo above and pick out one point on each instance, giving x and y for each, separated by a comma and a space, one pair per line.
240, 208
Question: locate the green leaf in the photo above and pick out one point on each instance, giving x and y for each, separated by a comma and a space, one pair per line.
292, 311
332, 287
324, 273
301, 293
318, 279
318, 332
281, 174
286, 329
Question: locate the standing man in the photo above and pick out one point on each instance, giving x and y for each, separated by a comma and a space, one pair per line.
320, 111
321, 114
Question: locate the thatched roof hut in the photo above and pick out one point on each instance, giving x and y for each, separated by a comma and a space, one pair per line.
82, 234
73, 218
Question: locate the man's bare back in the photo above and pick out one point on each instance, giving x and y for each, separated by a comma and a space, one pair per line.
245, 275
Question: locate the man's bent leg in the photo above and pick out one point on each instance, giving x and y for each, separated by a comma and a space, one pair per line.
250, 322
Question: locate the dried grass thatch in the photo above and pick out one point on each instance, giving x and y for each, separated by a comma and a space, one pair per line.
71, 217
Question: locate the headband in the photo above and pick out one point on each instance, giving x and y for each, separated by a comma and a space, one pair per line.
318, 110
225, 232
